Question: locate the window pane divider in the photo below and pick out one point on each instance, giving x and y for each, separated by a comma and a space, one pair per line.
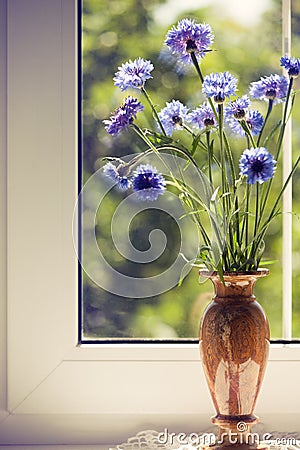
287, 218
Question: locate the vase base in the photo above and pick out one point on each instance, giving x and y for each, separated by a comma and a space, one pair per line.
235, 434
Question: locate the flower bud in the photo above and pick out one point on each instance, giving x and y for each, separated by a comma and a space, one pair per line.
219, 98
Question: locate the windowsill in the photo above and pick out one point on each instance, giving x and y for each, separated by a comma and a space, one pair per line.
102, 430
166, 352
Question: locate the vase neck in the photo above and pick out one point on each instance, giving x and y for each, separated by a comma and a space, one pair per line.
236, 285
233, 288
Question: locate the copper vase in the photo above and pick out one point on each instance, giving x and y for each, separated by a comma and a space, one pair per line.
234, 346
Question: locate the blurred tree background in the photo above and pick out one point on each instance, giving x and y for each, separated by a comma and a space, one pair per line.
127, 29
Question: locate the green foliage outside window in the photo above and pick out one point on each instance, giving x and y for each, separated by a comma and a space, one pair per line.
127, 30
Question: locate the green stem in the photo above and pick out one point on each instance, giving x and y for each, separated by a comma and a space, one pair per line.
210, 156
231, 162
247, 130
284, 119
284, 188
153, 110
189, 130
223, 162
257, 215
263, 230
245, 226
143, 136
224, 187
185, 153
203, 232
197, 67
248, 141
279, 144
198, 70
270, 106
233, 180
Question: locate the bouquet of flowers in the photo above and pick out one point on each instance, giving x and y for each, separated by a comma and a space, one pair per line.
233, 196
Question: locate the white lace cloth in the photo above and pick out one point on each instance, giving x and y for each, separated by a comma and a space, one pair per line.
152, 440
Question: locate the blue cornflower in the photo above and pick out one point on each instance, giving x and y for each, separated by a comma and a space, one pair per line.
118, 175
123, 116
219, 85
292, 65
187, 37
173, 116
147, 183
202, 117
257, 164
132, 106
133, 74
273, 87
237, 108
253, 118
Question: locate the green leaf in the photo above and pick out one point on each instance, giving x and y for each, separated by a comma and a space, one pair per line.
157, 138
184, 272
269, 262
195, 144
271, 134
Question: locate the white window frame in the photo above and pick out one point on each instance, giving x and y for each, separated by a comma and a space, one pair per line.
53, 391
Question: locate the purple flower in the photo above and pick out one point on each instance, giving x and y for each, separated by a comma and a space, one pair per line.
273, 88
147, 183
237, 108
202, 117
187, 37
173, 116
133, 74
257, 164
292, 65
253, 118
118, 175
123, 116
219, 85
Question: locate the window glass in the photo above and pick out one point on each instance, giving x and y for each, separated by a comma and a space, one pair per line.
248, 44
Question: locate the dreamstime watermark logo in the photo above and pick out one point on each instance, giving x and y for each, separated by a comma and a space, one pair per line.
94, 208
242, 426
239, 437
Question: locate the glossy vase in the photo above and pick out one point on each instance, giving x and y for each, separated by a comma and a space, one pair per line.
234, 346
